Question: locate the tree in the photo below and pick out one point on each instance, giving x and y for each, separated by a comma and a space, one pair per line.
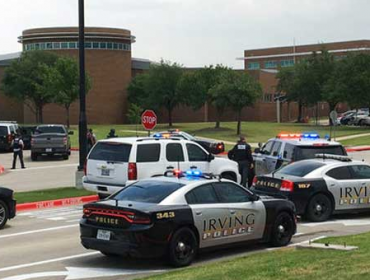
63, 80
24, 80
158, 87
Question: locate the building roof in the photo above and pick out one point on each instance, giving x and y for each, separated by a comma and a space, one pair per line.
6, 59
140, 63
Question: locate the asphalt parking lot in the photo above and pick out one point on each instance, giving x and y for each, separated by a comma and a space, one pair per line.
45, 245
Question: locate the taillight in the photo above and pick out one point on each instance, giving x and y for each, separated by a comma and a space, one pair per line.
287, 186
65, 141
132, 171
254, 182
85, 167
10, 138
131, 217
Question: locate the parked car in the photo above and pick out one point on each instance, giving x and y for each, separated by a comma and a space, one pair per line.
7, 206
112, 163
177, 216
7, 133
349, 116
320, 187
287, 148
51, 139
214, 147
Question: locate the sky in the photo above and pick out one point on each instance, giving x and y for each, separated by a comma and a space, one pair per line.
195, 33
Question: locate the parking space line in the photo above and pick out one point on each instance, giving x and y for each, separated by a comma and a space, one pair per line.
48, 261
37, 231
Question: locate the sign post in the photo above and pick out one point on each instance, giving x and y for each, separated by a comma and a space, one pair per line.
149, 120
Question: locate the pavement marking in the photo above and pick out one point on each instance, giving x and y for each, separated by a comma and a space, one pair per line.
48, 261
37, 231
37, 275
345, 222
43, 167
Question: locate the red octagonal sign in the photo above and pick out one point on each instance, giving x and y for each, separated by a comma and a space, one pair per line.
149, 119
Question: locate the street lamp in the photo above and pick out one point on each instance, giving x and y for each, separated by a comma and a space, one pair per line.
82, 124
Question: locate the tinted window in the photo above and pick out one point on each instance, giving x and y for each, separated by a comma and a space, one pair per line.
302, 152
267, 147
174, 152
3, 130
148, 153
230, 193
50, 129
148, 191
340, 173
361, 171
301, 168
288, 151
202, 195
276, 148
110, 151
195, 153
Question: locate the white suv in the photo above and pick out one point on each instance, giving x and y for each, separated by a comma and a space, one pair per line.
113, 162
7, 132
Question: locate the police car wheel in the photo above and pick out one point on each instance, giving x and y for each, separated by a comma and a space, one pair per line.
283, 230
3, 214
183, 247
319, 208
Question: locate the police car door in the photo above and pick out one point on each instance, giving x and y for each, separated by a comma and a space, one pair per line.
273, 158
260, 160
343, 187
247, 218
174, 156
197, 157
210, 216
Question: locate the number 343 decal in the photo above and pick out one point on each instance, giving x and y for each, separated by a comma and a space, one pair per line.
165, 215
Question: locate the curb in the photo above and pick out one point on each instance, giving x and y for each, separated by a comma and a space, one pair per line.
75, 149
56, 203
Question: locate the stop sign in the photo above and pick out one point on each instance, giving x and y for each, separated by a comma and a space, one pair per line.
149, 119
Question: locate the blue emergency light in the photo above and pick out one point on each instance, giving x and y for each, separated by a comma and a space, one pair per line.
193, 173
310, 136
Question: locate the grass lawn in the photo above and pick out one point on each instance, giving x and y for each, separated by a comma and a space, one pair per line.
50, 194
287, 263
255, 131
360, 141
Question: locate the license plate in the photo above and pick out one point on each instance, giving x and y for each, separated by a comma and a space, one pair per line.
48, 150
103, 235
105, 172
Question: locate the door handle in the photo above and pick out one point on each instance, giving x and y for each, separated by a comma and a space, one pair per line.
232, 212
170, 167
193, 167
198, 213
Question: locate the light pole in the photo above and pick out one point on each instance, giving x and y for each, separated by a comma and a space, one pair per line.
82, 124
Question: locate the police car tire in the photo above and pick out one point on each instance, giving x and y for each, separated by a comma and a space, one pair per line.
182, 257
312, 212
4, 214
283, 230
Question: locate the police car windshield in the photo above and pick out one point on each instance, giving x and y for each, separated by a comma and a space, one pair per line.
307, 152
300, 168
148, 191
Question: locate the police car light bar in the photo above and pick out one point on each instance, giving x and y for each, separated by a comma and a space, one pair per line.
194, 173
336, 157
289, 135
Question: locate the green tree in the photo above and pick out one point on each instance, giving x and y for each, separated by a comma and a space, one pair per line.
25, 78
63, 81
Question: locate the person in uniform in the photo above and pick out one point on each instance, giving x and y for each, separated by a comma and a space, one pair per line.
242, 154
18, 147
112, 133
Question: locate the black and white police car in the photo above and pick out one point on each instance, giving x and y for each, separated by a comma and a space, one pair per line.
289, 147
214, 147
320, 187
7, 206
175, 216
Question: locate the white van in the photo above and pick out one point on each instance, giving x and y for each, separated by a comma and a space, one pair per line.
113, 162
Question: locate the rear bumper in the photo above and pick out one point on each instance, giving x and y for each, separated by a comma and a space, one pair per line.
121, 243
53, 151
98, 187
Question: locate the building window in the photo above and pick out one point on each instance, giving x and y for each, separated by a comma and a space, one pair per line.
109, 46
115, 46
95, 45
103, 45
270, 64
42, 46
287, 63
72, 45
49, 46
56, 45
75, 45
253, 65
88, 45
64, 45
268, 97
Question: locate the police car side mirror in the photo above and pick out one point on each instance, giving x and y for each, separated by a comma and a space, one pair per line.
210, 157
259, 145
254, 197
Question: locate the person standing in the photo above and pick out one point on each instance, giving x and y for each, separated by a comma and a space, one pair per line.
242, 154
91, 139
18, 147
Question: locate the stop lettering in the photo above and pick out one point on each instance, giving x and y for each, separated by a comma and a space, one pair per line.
149, 119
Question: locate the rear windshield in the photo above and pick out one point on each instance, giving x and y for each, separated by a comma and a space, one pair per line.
3, 131
50, 129
300, 168
302, 152
148, 191
111, 151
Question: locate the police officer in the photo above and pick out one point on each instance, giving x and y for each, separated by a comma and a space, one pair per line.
112, 133
18, 146
242, 154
